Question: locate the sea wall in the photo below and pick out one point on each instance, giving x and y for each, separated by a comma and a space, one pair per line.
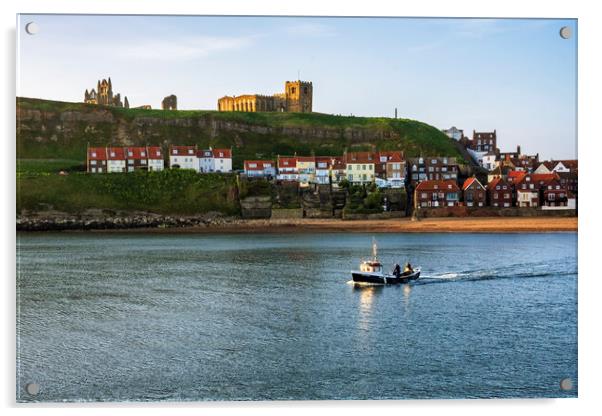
463, 211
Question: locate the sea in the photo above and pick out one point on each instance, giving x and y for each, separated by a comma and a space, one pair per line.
205, 317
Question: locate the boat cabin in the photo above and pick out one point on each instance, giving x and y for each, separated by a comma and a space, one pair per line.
371, 266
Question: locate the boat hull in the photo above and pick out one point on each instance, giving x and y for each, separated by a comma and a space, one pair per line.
380, 279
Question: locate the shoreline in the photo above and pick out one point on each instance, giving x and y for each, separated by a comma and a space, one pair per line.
398, 225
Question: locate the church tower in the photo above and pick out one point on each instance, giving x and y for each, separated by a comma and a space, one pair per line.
299, 96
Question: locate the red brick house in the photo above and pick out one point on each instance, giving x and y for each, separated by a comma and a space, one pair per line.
500, 193
475, 194
554, 194
530, 188
430, 194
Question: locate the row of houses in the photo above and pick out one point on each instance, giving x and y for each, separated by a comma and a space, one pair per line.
151, 158
519, 189
387, 169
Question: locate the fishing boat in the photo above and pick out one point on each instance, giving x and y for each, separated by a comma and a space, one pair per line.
371, 271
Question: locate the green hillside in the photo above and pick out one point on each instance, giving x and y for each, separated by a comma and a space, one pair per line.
60, 130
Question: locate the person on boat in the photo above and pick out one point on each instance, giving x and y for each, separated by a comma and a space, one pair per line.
407, 269
396, 270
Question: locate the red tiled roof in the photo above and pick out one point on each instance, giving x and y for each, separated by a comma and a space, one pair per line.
287, 162
97, 153
116, 153
182, 150
306, 159
260, 164
136, 153
392, 157
516, 175
570, 164
447, 185
154, 152
470, 181
222, 153
339, 162
361, 157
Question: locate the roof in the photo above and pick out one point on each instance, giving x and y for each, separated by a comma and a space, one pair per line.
306, 159
360, 157
542, 178
569, 164
182, 150
339, 162
497, 181
260, 164
116, 153
222, 153
97, 153
204, 153
516, 175
471, 181
392, 157
438, 185
287, 161
136, 153
154, 152
324, 159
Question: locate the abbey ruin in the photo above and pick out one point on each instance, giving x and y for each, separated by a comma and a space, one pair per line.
297, 98
103, 95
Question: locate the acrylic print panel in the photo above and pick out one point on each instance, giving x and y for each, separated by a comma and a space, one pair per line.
275, 208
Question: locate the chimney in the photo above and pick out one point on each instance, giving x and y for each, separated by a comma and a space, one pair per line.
518, 149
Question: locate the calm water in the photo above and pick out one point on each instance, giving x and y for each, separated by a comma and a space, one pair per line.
226, 317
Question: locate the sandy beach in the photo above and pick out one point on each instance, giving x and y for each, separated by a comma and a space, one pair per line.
402, 225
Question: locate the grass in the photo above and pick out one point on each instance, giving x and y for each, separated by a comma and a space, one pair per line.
60, 130
169, 192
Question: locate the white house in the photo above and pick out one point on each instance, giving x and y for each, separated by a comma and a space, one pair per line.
489, 161
222, 160
155, 158
183, 157
205, 159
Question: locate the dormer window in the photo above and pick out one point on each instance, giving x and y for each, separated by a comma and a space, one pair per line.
175, 151
93, 154
130, 154
112, 154
448, 186
158, 153
190, 151
143, 154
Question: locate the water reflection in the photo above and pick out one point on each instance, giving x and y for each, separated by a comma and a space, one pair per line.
407, 290
366, 300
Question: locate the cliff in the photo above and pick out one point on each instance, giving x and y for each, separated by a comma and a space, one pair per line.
59, 130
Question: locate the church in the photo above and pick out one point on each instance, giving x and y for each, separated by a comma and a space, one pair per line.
103, 95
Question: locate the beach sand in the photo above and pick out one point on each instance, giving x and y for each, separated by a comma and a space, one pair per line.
400, 225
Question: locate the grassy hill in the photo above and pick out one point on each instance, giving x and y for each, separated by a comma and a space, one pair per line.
53, 130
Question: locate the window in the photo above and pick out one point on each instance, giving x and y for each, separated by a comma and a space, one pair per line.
190, 151
143, 162
434, 161
506, 196
449, 187
434, 196
267, 165
252, 165
304, 90
93, 162
350, 178
424, 195
293, 90
364, 177
130, 162
93, 170
130, 154
497, 187
112, 154
143, 154
495, 195
158, 153
364, 167
93, 154
557, 186
175, 151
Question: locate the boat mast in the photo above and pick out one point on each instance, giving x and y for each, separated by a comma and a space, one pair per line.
374, 249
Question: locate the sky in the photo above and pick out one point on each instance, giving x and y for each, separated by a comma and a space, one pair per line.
517, 76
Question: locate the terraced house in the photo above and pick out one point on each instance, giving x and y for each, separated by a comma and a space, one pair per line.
436, 194
124, 159
360, 167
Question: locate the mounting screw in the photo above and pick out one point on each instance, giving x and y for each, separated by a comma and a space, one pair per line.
32, 28
565, 32
32, 388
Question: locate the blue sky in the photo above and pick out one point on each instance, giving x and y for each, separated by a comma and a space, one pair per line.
515, 76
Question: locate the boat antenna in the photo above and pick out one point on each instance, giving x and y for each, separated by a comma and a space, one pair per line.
374, 248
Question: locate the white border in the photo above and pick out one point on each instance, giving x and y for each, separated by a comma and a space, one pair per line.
589, 240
